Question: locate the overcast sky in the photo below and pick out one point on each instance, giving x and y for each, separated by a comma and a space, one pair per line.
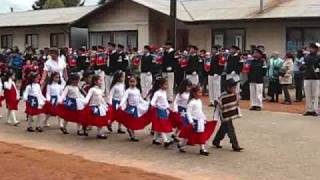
23, 5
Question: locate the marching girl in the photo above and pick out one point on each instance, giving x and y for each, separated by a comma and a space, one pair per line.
34, 102
117, 90
199, 130
161, 123
96, 114
54, 91
181, 102
11, 97
135, 116
71, 104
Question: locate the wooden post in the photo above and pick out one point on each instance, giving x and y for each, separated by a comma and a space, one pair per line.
173, 17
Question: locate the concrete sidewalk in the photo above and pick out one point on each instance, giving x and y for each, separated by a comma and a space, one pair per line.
277, 146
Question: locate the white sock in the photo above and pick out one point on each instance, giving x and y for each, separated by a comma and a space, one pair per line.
99, 130
79, 127
64, 124
9, 117
30, 121
39, 121
14, 118
202, 147
164, 137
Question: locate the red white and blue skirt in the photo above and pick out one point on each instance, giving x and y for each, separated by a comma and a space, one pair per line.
193, 137
50, 107
11, 98
32, 106
163, 120
92, 116
130, 119
113, 110
68, 111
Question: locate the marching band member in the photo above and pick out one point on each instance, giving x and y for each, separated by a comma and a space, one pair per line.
117, 90
146, 71
96, 114
256, 75
197, 129
168, 65
192, 69
109, 69
34, 102
234, 65
11, 97
71, 104
216, 69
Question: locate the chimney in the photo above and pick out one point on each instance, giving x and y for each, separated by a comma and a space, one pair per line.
11, 9
261, 6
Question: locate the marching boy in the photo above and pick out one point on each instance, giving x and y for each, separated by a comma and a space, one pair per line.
227, 107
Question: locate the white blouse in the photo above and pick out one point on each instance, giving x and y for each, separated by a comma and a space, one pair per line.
11, 84
160, 100
54, 89
195, 112
34, 90
132, 97
95, 98
181, 100
52, 66
73, 92
116, 92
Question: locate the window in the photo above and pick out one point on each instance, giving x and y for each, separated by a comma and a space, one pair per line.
57, 40
229, 37
127, 38
32, 40
6, 41
298, 38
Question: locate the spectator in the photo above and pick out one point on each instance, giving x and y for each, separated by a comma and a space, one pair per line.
298, 75
275, 64
286, 77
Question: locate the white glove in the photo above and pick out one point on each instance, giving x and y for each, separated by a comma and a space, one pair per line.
233, 73
148, 73
169, 68
215, 75
194, 73
317, 70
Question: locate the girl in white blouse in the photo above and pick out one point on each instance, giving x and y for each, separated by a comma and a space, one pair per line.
34, 102
54, 91
117, 90
72, 104
160, 122
133, 103
98, 107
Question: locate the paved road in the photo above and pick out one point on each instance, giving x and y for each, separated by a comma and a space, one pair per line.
277, 146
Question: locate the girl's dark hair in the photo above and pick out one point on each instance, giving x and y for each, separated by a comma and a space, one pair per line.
52, 76
130, 76
72, 78
94, 79
32, 76
300, 53
193, 92
183, 86
116, 78
156, 86
9, 73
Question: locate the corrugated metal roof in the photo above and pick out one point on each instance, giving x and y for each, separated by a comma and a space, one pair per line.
44, 17
212, 10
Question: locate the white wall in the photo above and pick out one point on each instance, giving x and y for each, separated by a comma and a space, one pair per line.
43, 34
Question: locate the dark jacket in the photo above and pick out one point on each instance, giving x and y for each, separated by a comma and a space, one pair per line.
215, 68
147, 64
311, 63
193, 64
234, 64
169, 61
118, 62
257, 71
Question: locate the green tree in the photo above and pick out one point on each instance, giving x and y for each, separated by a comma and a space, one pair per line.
102, 2
53, 4
39, 4
71, 3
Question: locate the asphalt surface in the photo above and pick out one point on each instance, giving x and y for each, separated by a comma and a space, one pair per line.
277, 146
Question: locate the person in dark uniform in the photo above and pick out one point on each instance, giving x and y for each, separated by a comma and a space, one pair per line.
169, 65
192, 69
203, 75
311, 67
216, 69
234, 65
109, 71
147, 69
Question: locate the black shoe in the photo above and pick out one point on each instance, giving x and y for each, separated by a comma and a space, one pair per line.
237, 149
272, 100
258, 109
175, 139
167, 144
314, 114
16, 124
134, 139
39, 129
217, 145
30, 129
211, 105
151, 132
120, 131
253, 108
64, 130
181, 148
85, 132
204, 153
156, 142
80, 133
101, 136
109, 128
308, 113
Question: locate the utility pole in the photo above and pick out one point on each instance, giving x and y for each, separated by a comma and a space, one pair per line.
173, 17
